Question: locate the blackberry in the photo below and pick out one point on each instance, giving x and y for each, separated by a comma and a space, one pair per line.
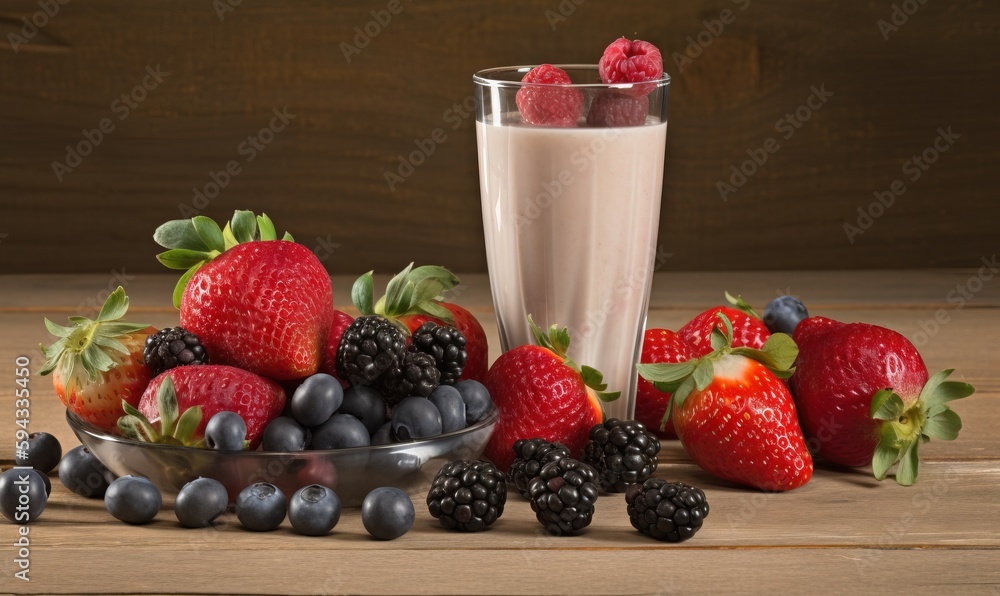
369, 347
416, 375
446, 344
467, 495
623, 453
670, 511
530, 456
172, 347
563, 496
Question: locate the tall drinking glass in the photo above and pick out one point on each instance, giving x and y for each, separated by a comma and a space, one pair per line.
571, 215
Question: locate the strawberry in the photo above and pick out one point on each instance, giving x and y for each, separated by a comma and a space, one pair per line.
256, 302
748, 329
541, 393
179, 403
415, 296
864, 396
733, 413
96, 364
341, 321
659, 345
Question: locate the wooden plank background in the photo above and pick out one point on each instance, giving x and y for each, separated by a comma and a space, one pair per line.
323, 177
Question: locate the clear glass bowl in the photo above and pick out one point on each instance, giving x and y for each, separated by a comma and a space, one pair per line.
351, 473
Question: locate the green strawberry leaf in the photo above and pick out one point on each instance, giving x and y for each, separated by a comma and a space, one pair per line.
288, 237
228, 237
703, 374
666, 372
608, 396
143, 429
394, 290
427, 289
362, 293
593, 378
884, 458
778, 354
718, 339
433, 309
187, 424
265, 228
741, 304
166, 403
115, 306
182, 259
97, 358
179, 233
182, 283
209, 232
886, 405
58, 330
110, 344
446, 278
944, 426
683, 391
937, 391
906, 472
244, 226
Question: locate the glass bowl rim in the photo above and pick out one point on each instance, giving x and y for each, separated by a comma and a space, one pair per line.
482, 77
76, 423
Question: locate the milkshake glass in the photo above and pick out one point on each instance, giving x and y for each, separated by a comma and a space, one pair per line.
570, 216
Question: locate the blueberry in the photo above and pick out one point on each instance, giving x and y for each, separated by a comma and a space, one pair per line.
365, 404
43, 453
316, 399
340, 432
387, 513
450, 404
415, 418
314, 510
383, 436
48, 483
225, 431
133, 499
261, 507
22, 495
81, 472
200, 502
477, 400
782, 314
284, 434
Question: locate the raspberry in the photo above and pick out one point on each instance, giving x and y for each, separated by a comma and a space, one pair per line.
627, 61
612, 108
541, 106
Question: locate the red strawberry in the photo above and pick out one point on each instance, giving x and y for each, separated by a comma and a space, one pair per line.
97, 364
212, 388
547, 100
748, 329
659, 345
733, 414
341, 321
626, 61
263, 304
541, 393
415, 296
863, 392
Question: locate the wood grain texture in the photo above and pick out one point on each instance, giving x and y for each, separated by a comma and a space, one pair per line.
323, 176
842, 533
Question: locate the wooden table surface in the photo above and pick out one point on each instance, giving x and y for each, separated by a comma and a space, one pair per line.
843, 532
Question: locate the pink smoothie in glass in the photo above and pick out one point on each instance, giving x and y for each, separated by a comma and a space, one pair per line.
571, 217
